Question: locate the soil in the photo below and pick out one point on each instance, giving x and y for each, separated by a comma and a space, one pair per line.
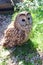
4, 22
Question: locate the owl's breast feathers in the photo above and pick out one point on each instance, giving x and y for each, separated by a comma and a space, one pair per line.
13, 37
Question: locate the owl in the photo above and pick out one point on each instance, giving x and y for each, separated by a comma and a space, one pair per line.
18, 31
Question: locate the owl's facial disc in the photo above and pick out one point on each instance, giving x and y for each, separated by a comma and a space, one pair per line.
23, 21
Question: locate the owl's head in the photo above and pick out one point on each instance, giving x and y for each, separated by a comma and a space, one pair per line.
23, 21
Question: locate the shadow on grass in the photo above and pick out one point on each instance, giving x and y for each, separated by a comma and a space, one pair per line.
26, 48
25, 53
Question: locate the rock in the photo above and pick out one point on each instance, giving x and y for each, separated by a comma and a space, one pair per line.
5, 4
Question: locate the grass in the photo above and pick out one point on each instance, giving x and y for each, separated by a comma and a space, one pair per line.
25, 63
3, 63
38, 28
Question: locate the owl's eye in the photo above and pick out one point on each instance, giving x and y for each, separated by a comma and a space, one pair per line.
28, 18
23, 20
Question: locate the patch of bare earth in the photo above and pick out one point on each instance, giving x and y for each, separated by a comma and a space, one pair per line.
4, 22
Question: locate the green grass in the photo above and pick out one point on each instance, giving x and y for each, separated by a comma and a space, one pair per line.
37, 30
25, 63
3, 63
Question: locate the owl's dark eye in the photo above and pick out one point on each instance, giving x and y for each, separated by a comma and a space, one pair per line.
28, 18
23, 20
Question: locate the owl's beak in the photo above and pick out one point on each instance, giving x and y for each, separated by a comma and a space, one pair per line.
27, 28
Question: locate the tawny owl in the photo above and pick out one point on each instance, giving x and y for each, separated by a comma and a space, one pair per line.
18, 32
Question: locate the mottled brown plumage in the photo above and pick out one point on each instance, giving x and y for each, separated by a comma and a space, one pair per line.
18, 32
